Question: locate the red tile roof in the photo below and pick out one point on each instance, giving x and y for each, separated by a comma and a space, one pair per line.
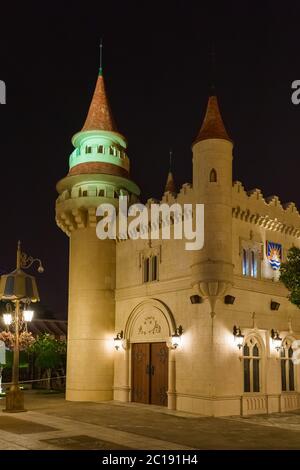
212, 126
170, 184
98, 168
99, 116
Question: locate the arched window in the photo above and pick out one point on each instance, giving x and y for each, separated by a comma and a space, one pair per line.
251, 360
213, 176
253, 264
150, 268
154, 268
245, 262
88, 149
100, 148
250, 262
287, 367
146, 269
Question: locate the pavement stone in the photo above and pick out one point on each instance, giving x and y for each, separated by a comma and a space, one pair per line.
129, 425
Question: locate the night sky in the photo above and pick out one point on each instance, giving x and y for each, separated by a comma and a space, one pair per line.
157, 67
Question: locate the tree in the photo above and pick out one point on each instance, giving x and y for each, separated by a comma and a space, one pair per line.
50, 354
290, 275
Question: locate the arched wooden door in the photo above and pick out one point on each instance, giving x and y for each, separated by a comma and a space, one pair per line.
150, 373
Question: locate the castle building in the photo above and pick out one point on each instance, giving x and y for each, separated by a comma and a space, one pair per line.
223, 305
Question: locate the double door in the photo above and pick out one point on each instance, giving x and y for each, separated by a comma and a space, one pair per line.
150, 373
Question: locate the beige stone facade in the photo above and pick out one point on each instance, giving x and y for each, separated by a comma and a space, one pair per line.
207, 371
110, 293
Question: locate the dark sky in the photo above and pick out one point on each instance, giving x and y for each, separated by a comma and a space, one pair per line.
157, 68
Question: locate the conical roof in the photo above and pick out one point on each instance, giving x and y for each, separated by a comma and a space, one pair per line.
99, 115
170, 184
212, 126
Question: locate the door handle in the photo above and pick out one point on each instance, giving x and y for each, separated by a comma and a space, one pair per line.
152, 370
148, 369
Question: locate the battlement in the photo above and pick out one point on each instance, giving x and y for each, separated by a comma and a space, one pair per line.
184, 196
270, 213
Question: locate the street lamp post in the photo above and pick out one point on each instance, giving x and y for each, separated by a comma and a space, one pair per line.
18, 287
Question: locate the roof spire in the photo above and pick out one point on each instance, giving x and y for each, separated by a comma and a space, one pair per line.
212, 126
99, 115
170, 159
212, 88
100, 61
170, 184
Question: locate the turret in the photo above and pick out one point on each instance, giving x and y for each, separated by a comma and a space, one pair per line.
170, 186
212, 270
98, 172
170, 183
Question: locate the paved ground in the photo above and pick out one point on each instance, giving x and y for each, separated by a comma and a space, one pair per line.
53, 423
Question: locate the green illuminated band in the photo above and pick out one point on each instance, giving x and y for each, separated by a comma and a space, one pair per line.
99, 146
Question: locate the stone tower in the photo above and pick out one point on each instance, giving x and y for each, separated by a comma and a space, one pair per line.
98, 173
212, 270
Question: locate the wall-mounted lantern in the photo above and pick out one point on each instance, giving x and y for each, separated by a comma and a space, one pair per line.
277, 341
176, 337
238, 337
118, 340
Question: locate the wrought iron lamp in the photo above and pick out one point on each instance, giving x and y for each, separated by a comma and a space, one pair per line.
20, 288
118, 340
8, 316
176, 337
277, 341
238, 337
28, 315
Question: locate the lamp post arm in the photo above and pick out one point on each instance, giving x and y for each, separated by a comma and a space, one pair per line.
24, 261
27, 261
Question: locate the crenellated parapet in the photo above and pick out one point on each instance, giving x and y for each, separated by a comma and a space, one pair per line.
69, 219
184, 195
269, 213
80, 195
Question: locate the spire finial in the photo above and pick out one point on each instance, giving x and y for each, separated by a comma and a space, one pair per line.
100, 65
170, 159
170, 184
213, 69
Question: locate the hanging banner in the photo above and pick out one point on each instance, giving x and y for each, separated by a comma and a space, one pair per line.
274, 254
